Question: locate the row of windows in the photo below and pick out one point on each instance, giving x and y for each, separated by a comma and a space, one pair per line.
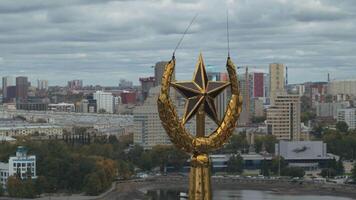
23, 164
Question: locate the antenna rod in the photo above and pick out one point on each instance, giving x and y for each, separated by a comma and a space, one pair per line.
185, 32
227, 32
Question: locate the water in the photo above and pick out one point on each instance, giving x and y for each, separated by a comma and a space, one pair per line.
241, 195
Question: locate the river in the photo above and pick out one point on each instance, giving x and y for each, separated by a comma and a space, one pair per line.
242, 195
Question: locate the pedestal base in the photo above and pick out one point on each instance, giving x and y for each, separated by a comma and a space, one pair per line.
199, 178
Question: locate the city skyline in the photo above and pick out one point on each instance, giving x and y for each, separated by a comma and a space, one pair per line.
102, 41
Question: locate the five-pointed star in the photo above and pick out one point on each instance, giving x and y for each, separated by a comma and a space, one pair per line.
200, 92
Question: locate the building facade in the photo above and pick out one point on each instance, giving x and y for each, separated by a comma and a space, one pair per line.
7, 81
159, 70
283, 119
346, 87
277, 80
347, 115
21, 88
21, 165
104, 101
148, 129
42, 85
309, 155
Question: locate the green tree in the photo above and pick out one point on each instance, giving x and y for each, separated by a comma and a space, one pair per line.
353, 172
264, 168
342, 126
93, 184
14, 186
238, 142
293, 172
266, 141
1, 191
340, 170
235, 164
278, 165
125, 169
328, 172
28, 189
258, 119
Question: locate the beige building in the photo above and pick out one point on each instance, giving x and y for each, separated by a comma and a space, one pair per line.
148, 129
24, 130
347, 87
277, 80
283, 118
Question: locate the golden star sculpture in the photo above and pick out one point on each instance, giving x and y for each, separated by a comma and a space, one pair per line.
200, 92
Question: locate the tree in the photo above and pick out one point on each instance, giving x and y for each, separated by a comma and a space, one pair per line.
14, 186
102, 111
353, 172
1, 190
293, 172
328, 172
268, 141
342, 126
235, 164
278, 164
264, 168
257, 120
306, 104
93, 184
125, 169
340, 170
237, 143
28, 189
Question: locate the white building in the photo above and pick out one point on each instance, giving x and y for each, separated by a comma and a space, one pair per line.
4, 174
62, 107
21, 164
310, 155
347, 115
330, 109
104, 101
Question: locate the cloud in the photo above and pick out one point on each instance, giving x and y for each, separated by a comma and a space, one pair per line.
104, 41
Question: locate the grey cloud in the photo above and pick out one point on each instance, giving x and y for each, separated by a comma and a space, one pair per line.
103, 41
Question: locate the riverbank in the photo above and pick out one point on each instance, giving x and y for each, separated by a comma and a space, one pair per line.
286, 187
137, 189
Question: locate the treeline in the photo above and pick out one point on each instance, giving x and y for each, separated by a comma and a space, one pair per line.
341, 143
89, 168
62, 168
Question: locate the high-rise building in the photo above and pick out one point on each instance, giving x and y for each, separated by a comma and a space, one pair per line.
21, 88
221, 101
105, 101
347, 115
277, 80
148, 129
42, 85
283, 118
6, 82
128, 97
75, 84
345, 87
159, 69
146, 84
258, 84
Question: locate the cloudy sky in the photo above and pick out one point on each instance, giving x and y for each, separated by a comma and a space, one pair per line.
103, 41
